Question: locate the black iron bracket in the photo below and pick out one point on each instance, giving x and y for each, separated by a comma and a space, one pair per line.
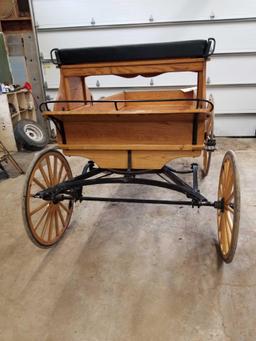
60, 127
195, 129
210, 144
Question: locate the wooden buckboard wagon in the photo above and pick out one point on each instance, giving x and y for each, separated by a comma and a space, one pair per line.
128, 135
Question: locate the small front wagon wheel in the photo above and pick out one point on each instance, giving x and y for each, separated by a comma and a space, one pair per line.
45, 221
228, 217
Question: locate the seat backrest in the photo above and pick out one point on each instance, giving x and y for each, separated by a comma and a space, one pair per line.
129, 61
181, 49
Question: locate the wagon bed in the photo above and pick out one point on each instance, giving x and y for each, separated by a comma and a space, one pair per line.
154, 130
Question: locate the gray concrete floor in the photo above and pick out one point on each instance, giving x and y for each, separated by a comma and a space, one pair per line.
129, 272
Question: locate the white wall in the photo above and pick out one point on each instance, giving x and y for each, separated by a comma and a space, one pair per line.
231, 72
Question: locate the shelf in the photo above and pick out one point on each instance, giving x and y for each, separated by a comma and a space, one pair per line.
16, 19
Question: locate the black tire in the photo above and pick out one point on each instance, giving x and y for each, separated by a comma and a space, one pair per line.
30, 135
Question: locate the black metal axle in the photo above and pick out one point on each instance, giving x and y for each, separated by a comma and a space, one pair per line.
72, 189
215, 204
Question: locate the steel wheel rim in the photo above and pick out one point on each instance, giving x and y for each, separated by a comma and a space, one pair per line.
228, 217
33, 132
47, 221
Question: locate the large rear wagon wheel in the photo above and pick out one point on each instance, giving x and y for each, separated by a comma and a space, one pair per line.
46, 222
228, 218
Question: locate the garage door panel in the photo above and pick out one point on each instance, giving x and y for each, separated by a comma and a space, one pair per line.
234, 99
243, 33
235, 125
134, 11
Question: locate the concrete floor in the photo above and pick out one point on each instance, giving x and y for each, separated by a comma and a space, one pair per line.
129, 272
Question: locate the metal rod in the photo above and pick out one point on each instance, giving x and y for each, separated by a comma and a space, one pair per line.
129, 161
148, 201
137, 201
178, 171
197, 100
182, 183
177, 180
133, 171
194, 167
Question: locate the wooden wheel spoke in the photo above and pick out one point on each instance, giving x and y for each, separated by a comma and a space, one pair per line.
219, 219
61, 216
224, 234
60, 173
229, 184
46, 222
228, 192
229, 221
55, 166
56, 223
64, 178
64, 207
39, 183
51, 223
225, 175
229, 208
220, 191
48, 162
228, 237
44, 175
37, 209
41, 219
228, 229
229, 198
222, 182
221, 230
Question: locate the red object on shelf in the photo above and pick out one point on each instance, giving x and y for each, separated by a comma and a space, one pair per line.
27, 86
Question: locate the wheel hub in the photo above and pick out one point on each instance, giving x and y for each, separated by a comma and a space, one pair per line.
33, 132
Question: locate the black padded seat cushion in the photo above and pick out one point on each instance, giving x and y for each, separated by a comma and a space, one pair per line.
181, 49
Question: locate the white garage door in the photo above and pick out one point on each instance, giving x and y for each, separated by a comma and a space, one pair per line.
231, 72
